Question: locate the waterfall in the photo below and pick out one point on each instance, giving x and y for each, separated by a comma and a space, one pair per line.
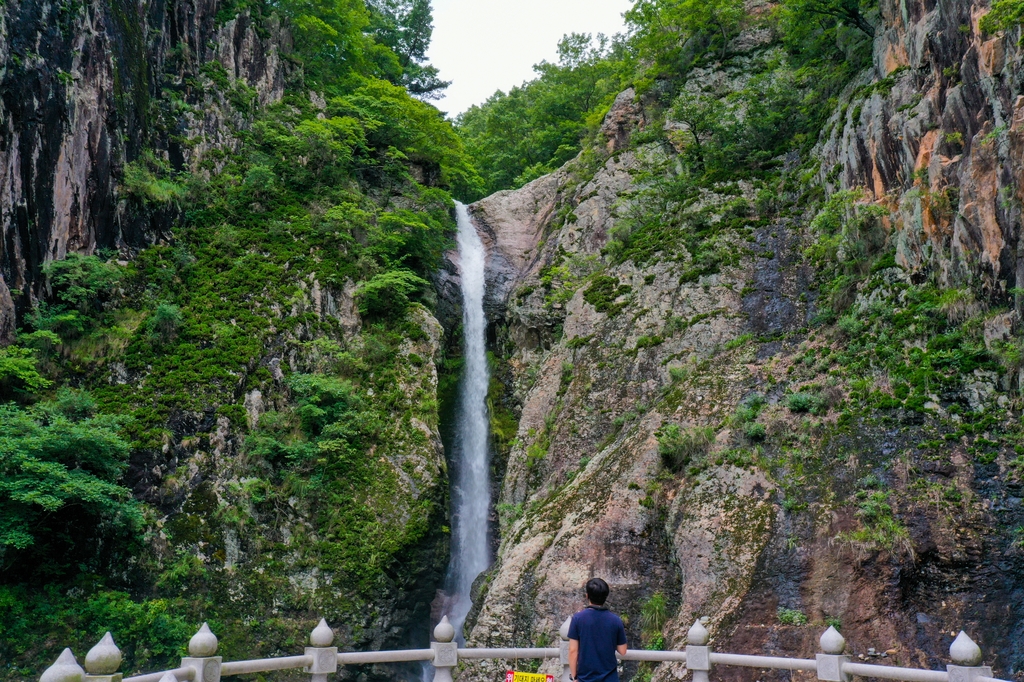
471, 494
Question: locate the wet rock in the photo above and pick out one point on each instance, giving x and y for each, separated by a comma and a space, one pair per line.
8, 321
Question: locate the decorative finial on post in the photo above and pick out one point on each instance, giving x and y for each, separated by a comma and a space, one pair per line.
698, 654
323, 658
202, 659
103, 660
446, 651
832, 642
830, 664
203, 644
563, 631
64, 669
697, 635
444, 632
966, 657
964, 651
322, 635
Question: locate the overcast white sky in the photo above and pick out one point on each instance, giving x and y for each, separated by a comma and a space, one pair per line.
487, 45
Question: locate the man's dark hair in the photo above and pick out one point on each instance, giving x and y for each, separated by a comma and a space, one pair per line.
597, 591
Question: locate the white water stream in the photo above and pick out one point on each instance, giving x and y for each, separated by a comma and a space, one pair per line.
471, 494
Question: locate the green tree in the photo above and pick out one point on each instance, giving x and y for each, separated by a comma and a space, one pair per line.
330, 40
703, 116
406, 26
670, 35
1004, 14
533, 129
850, 12
19, 373
388, 294
83, 282
59, 467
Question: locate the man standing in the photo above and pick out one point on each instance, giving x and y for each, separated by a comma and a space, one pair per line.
595, 634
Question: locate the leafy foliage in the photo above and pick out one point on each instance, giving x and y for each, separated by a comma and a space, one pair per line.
673, 34
678, 447
19, 373
533, 129
59, 466
1004, 14
405, 27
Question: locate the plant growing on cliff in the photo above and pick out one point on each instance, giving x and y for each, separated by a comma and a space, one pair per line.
1003, 15
653, 616
19, 373
149, 180
388, 294
678, 447
677, 33
791, 616
880, 529
59, 467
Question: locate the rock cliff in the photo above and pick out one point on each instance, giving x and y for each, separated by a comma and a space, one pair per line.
70, 119
108, 109
617, 365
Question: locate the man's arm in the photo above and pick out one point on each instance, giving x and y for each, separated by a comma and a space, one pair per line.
620, 648
574, 653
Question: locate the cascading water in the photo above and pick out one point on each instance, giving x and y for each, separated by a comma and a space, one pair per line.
471, 496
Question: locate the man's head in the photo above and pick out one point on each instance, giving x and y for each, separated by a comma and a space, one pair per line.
597, 591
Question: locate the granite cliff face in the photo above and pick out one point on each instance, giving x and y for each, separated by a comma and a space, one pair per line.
70, 119
605, 370
935, 132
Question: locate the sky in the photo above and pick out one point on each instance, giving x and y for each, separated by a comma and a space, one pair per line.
487, 45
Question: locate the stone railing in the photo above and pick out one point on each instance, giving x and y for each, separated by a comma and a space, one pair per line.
321, 660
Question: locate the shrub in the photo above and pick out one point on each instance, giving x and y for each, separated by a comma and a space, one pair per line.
82, 282
648, 341
18, 372
164, 323
59, 469
603, 292
806, 402
653, 615
678, 447
791, 616
755, 431
850, 326
148, 180
387, 294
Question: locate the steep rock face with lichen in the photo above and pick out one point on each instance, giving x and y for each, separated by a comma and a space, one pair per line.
934, 132
713, 441
71, 119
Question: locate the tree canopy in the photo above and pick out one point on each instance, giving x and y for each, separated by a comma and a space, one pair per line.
533, 129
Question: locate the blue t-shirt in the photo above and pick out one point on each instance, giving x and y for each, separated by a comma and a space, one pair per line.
598, 631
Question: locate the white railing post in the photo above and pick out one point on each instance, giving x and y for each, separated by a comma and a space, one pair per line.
203, 647
966, 657
563, 648
698, 654
830, 663
323, 656
64, 669
446, 652
102, 661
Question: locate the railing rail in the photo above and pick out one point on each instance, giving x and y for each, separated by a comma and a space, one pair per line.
321, 660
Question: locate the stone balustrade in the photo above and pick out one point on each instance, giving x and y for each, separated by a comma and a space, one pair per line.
321, 660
